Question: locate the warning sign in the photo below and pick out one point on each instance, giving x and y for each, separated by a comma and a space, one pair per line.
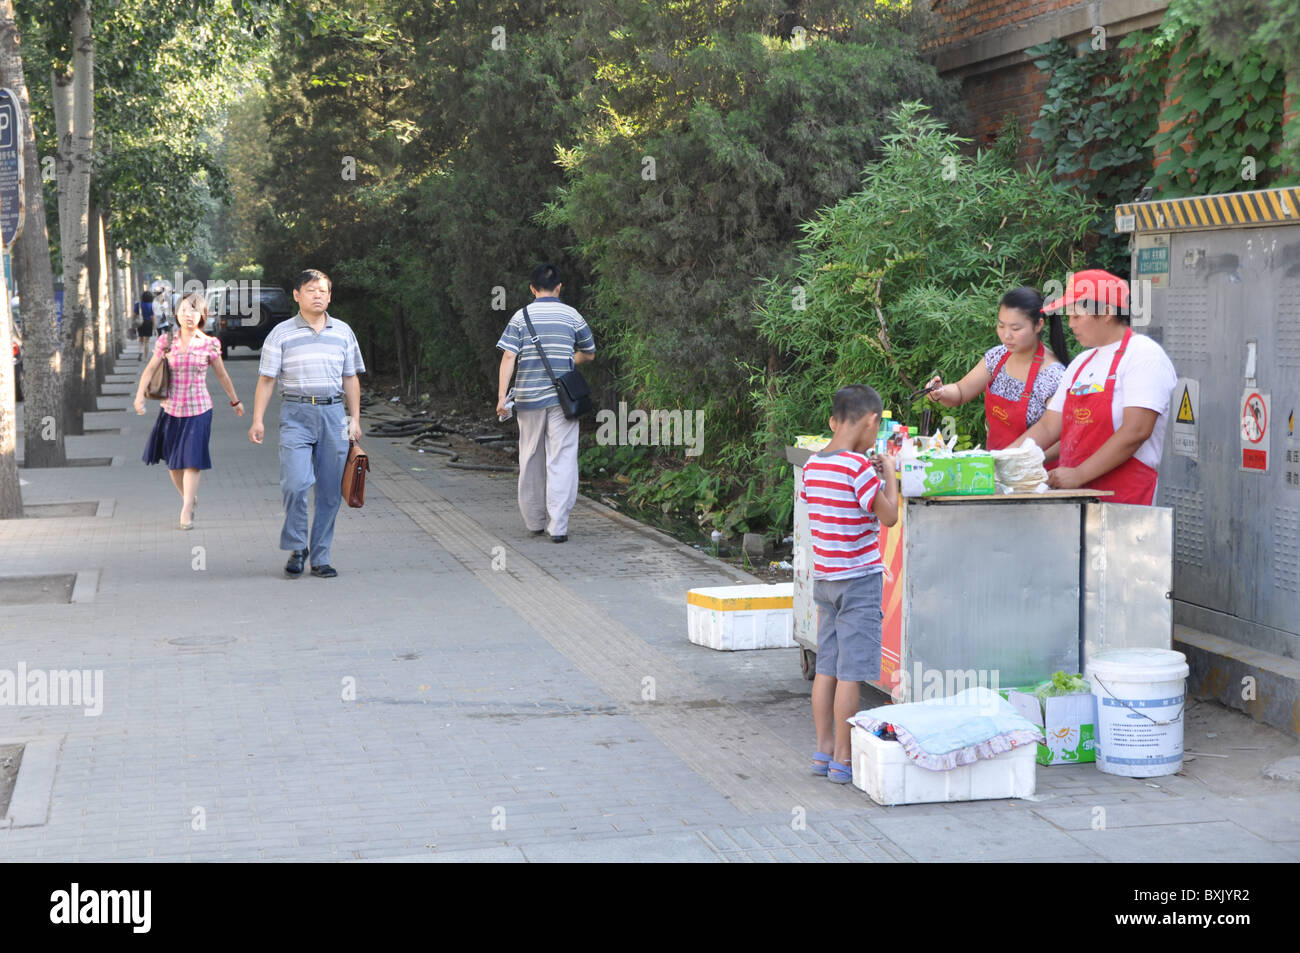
1187, 410
1254, 431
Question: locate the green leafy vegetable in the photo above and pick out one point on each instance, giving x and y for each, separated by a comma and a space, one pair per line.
1062, 683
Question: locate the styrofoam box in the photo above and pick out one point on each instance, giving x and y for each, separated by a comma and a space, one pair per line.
889, 776
731, 618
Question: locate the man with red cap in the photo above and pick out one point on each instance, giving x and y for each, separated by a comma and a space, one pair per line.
1112, 406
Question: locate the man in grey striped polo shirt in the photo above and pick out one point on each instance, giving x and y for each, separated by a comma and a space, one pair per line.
316, 359
548, 442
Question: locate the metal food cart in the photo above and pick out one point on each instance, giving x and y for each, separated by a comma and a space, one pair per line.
1005, 589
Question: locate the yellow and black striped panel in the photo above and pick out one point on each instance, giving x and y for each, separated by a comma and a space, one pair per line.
1262, 207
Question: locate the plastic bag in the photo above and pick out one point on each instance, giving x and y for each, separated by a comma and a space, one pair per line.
1021, 468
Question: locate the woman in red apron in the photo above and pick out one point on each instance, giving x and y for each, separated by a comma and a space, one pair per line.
1094, 453
1018, 378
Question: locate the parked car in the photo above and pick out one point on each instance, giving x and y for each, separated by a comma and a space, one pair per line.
243, 317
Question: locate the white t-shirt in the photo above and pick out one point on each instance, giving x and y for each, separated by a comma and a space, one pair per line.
1145, 378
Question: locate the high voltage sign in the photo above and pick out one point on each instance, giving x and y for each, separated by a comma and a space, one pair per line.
1186, 441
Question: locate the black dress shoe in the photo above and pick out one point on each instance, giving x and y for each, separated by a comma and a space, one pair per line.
537, 532
293, 568
559, 539
325, 572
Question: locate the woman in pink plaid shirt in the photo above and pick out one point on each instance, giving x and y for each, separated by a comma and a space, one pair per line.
180, 435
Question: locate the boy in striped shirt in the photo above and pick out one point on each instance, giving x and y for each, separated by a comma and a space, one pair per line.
850, 490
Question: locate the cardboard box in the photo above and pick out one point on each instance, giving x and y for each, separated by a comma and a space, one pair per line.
883, 770
1068, 723
969, 474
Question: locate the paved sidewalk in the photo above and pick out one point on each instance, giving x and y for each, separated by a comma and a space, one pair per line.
463, 691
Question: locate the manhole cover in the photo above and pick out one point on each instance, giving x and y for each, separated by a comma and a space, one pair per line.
196, 641
61, 509
36, 590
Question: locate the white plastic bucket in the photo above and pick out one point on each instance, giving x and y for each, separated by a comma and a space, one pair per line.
1140, 699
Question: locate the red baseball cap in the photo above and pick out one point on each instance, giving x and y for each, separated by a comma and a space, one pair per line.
1093, 285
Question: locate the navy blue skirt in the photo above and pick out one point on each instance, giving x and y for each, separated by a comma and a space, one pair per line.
180, 441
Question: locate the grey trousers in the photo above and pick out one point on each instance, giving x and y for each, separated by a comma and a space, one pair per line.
313, 452
548, 469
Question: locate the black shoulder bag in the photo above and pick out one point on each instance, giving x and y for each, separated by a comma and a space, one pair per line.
575, 395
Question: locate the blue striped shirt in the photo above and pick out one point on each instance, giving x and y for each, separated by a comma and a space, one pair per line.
562, 330
310, 364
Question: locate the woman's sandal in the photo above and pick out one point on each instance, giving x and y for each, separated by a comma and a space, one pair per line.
840, 773
820, 763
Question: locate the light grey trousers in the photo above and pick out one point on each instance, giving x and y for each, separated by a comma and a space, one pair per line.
548, 469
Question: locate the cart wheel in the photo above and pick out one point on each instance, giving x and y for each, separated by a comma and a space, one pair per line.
808, 663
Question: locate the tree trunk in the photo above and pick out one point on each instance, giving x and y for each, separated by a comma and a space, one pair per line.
128, 285
11, 494
74, 98
399, 328
71, 329
117, 316
104, 351
42, 360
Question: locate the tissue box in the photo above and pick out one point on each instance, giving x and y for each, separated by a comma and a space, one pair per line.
968, 474
732, 618
1068, 723
809, 441
889, 776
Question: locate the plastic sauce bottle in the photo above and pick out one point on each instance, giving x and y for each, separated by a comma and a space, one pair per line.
907, 453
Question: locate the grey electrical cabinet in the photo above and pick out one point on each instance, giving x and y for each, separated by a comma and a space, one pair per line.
1216, 281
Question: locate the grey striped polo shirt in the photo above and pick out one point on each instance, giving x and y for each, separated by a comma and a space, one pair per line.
310, 364
562, 330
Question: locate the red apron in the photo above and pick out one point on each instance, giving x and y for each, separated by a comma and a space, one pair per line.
1008, 419
1087, 423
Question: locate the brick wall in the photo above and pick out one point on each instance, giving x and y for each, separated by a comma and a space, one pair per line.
982, 44
990, 96
971, 18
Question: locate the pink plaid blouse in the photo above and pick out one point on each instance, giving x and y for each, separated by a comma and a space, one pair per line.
188, 395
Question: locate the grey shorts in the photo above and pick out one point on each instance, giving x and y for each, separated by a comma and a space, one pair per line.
848, 631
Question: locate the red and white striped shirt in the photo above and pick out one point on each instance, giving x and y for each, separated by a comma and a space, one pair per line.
838, 489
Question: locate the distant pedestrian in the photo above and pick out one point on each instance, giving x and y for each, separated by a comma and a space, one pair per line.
162, 306
181, 433
316, 358
548, 441
143, 312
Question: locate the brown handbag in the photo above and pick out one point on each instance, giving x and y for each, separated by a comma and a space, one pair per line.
354, 476
160, 381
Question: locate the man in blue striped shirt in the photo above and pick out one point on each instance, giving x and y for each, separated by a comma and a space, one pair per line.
548, 442
316, 358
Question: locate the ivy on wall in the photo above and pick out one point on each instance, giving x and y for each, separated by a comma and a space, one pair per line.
1109, 113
